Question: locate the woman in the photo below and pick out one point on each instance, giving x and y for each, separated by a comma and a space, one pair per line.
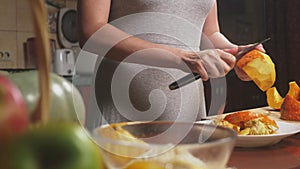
166, 35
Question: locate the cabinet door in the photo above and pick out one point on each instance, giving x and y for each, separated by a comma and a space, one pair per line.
8, 15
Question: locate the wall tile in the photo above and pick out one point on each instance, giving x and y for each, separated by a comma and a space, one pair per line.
8, 15
8, 44
24, 16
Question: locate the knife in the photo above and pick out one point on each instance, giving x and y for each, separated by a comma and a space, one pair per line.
195, 76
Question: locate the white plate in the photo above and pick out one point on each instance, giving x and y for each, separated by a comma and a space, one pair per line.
285, 130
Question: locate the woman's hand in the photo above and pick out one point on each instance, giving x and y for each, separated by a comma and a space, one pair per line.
210, 63
239, 72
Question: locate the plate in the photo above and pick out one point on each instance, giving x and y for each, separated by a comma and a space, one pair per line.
285, 130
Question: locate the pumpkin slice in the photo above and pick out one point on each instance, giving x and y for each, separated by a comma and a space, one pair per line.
290, 108
274, 99
294, 90
259, 67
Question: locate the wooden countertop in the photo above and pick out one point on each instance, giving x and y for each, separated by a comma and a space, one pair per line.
283, 155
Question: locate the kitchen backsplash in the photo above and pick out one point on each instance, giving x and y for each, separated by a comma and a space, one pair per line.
16, 27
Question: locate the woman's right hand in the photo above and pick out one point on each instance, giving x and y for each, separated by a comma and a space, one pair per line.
209, 63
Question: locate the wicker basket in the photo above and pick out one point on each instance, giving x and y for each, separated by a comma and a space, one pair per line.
39, 13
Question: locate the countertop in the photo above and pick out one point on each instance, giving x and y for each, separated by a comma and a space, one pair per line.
283, 155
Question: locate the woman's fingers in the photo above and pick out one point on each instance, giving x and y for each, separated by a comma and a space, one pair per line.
217, 63
260, 47
228, 58
200, 68
196, 65
210, 63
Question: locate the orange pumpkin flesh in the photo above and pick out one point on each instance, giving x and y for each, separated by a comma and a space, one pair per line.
242, 117
274, 99
259, 67
294, 90
248, 57
290, 108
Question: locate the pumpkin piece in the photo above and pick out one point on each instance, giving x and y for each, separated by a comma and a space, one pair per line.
274, 99
290, 109
294, 90
259, 67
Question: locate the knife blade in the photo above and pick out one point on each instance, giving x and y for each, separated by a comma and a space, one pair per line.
251, 47
195, 76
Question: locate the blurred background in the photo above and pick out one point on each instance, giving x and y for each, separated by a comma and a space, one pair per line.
17, 35
247, 21
242, 21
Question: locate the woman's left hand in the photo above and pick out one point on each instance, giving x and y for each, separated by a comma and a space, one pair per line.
239, 72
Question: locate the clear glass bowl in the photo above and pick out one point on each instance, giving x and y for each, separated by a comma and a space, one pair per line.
164, 145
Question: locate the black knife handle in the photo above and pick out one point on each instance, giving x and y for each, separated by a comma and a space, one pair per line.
184, 81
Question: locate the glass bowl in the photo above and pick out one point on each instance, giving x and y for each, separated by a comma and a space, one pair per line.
164, 145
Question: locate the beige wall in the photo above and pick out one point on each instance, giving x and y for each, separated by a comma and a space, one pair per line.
15, 27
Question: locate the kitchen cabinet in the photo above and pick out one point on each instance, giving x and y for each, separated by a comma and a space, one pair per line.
15, 27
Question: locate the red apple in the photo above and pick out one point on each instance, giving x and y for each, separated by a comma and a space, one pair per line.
13, 111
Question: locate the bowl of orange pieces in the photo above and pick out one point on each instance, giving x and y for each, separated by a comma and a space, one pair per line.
165, 145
